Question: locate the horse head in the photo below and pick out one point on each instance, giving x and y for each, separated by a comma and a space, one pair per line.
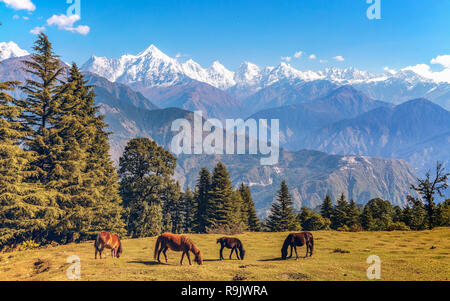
242, 253
198, 257
119, 250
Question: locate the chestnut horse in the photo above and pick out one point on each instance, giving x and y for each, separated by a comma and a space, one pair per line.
295, 240
177, 243
231, 243
109, 241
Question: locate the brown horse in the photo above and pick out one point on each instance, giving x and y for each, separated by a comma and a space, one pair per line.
177, 243
295, 240
109, 241
231, 243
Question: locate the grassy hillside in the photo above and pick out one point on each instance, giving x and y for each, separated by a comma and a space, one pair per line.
404, 255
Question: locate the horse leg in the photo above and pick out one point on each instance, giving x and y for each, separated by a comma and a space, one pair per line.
159, 254
291, 251
221, 252
165, 254
182, 257
96, 251
189, 257
307, 250
296, 255
237, 254
231, 254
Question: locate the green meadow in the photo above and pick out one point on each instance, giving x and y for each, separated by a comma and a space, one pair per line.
413, 256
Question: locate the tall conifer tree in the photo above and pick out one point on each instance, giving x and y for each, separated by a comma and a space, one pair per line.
250, 216
26, 210
282, 217
220, 208
202, 200
40, 106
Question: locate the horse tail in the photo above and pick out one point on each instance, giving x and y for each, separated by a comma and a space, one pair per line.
158, 243
311, 243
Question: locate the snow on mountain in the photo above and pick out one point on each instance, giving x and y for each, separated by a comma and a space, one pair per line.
248, 74
347, 76
156, 69
153, 68
220, 77
11, 50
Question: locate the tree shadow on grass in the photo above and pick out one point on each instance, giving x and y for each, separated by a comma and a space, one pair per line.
148, 262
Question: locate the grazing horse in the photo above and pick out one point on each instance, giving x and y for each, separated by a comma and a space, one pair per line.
231, 243
109, 241
177, 243
295, 240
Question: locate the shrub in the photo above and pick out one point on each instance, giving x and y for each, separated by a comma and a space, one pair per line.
356, 228
344, 228
29, 245
316, 222
398, 226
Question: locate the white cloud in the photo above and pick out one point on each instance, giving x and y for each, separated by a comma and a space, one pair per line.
425, 70
443, 60
286, 58
20, 4
64, 22
37, 30
339, 58
312, 57
323, 61
298, 54
389, 70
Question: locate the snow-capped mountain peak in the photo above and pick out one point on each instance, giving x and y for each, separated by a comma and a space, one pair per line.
220, 77
153, 68
248, 73
11, 50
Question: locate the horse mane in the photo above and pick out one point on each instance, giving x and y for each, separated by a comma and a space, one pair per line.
190, 243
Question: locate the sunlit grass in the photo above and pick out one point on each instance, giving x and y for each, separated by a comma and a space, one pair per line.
404, 256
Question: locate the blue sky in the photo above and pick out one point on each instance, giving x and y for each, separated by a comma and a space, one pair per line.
261, 31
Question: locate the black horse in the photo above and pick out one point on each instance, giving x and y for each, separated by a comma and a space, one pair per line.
295, 240
231, 243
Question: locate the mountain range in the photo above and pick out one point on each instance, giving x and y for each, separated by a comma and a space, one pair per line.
142, 95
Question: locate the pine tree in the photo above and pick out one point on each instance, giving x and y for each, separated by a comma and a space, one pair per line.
377, 215
172, 208
443, 214
326, 209
282, 217
416, 216
220, 207
249, 210
40, 106
146, 171
26, 210
353, 214
189, 210
340, 217
202, 199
